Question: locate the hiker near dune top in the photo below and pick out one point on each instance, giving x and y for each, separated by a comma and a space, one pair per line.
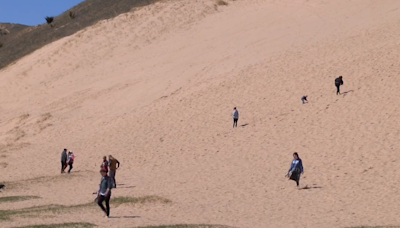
338, 83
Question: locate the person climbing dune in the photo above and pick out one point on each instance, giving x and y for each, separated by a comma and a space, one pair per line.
338, 83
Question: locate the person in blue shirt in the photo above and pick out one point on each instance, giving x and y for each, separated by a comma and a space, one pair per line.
296, 168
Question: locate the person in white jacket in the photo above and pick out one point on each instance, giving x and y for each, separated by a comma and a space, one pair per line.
235, 115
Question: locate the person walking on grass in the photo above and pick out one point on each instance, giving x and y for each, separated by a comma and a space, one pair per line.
296, 169
70, 160
104, 192
64, 158
235, 116
113, 162
338, 83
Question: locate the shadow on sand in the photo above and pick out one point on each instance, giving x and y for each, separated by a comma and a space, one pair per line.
244, 125
115, 217
308, 187
345, 93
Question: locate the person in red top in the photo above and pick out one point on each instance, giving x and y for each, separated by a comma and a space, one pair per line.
70, 160
104, 164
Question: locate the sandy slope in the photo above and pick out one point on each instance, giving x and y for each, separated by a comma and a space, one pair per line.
155, 88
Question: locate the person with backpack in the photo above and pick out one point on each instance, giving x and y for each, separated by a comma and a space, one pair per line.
70, 160
338, 83
104, 164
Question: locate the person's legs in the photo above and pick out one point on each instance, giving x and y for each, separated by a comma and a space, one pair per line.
100, 200
338, 89
235, 122
112, 176
107, 199
62, 167
70, 167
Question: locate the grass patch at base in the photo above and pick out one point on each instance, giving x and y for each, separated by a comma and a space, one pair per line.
62, 225
17, 198
138, 200
374, 227
6, 214
186, 226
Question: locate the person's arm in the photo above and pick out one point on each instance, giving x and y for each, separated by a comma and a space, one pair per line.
301, 166
118, 163
108, 186
291, 167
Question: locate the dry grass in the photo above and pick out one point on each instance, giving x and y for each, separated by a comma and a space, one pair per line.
7, 214
222, 3
186, 226
16, 198
61, 225
138, 200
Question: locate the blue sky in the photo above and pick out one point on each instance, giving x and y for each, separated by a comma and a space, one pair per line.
32, 12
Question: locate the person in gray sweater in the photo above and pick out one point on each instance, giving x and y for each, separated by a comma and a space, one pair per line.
235, 115
64, 158
104, 192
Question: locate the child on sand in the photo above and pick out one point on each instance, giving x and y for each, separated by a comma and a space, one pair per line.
296, 169
70, 160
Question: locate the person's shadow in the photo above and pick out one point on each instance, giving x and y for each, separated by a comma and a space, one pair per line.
345, 93
309, 187
124, 217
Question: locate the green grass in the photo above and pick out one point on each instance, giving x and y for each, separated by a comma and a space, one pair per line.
6, 214
138, 200
61, 225
17, 198
185, 226
374, 227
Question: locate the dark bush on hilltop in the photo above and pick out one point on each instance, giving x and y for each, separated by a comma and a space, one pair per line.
49, 20
22, 40
71, 14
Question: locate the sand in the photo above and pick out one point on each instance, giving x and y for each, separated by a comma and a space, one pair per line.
156, 87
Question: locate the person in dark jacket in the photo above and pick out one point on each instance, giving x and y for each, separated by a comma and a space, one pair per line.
104, 192
304, 99
296, 168
64, 158
338, 83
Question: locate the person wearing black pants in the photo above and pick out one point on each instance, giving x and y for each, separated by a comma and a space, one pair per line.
104, 192
338, 83
235, 115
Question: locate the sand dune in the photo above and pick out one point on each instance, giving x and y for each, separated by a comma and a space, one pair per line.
156, 87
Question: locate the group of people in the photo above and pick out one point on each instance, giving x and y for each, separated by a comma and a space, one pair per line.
67, 159
108, 169
296, 166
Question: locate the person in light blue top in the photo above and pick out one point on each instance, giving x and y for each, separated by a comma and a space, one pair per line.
296, 169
